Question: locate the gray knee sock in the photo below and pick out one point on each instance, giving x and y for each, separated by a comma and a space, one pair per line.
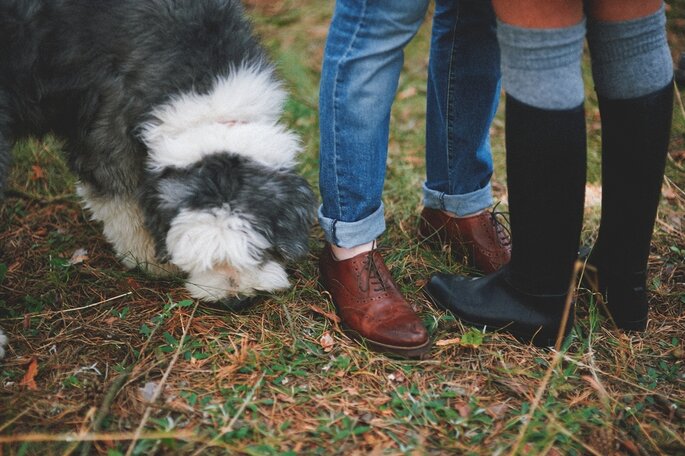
630, 58
541, 67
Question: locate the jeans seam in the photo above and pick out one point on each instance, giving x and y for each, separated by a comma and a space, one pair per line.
335, 103
449, 147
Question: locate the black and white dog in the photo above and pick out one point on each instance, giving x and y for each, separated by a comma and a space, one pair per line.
170, 112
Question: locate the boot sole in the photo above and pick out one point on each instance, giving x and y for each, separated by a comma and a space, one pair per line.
526, 338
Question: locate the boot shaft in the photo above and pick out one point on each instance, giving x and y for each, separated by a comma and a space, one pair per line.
546, 161
635, 137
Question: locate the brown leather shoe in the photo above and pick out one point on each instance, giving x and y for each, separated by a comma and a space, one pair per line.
481, 237
370, 305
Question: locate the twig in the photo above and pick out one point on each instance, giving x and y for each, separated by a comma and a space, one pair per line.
680, 100
14, 193
229, 427
84, 428
158, 391
536, 401
8, 423
188, 436
103, 411
647, 391
577, 266
47, 314
570, 435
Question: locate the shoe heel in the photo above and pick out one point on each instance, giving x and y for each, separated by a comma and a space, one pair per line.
626, 301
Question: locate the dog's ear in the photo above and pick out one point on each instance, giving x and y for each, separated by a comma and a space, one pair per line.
294, 215
161, 202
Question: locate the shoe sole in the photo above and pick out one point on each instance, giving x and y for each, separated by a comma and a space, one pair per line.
416, 352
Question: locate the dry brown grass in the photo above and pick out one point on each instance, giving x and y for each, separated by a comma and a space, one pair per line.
93, 344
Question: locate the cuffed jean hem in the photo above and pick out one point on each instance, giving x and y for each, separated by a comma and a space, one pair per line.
352, 234
461, 205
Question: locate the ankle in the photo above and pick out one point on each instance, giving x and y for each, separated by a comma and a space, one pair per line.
344, 253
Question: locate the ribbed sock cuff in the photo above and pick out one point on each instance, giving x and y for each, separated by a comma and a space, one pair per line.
630, 58
541, 67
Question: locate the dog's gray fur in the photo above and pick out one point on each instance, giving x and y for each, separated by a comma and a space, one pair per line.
94, 71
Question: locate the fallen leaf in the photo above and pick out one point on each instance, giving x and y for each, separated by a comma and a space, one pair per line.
327, 342
29, 379
595, 385
407, 93
285, 398
463, 409
678, 154
444, 342
668, 193
497, 410
147, 393
78, 257
381, 401
397, 377
472, 338
132, 284
330, 315
631, 447
37, 173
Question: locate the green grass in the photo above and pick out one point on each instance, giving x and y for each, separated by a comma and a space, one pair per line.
280, 378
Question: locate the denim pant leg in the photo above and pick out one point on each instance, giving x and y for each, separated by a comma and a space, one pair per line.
462, 97
361, 67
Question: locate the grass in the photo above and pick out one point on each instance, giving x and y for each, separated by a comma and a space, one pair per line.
109, 361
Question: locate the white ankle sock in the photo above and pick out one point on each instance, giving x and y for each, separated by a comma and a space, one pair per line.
342, 253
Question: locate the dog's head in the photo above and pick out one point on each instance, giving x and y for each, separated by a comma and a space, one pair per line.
230, 223
222, 199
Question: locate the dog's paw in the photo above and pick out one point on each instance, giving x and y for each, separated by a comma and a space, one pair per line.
3, 343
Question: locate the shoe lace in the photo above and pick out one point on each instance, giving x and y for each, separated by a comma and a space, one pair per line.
373, 275
500, 220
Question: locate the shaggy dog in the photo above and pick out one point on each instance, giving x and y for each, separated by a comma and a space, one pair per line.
170, 112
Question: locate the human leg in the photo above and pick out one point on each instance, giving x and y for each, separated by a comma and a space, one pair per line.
462, 97
362, 63
632, 71
545, 138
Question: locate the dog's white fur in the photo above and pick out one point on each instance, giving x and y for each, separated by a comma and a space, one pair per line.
3, 344
219, 249
124, 228
240, 114
216, 248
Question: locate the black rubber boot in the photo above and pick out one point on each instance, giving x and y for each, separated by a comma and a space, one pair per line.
635, 136
546, 181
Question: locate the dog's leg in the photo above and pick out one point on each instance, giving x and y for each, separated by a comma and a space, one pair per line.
3, 343
124, 228
270, 276
5, 158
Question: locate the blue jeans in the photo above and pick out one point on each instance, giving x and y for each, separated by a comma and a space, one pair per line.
361, 67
